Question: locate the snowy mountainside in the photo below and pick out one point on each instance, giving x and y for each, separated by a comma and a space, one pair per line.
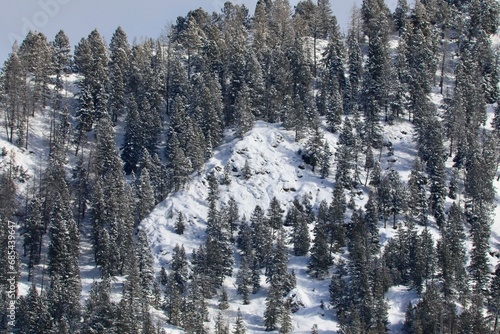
277, 171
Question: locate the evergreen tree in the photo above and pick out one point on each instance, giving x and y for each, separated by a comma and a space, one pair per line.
217, 242
300, 237
180, 270
150, 126
244, 117
131, 309
33, 313
375, 89
223, 300
239, 326
145, 263
179, 224
336, 228
452, 255
275, 215
324, 162
61, 58
64, 270
145, 196
118, 71
400, 15
320, 256
33, 234
13, 85
274, 307
99, 311
133, 138
277, 271
286, 320
244, 280
397, 195
178, 165
221, 325
91, 61
417, 188
261, 236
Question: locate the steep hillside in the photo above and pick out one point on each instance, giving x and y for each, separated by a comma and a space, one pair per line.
277, 170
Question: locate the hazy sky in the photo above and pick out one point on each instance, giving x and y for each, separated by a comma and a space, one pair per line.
78, 18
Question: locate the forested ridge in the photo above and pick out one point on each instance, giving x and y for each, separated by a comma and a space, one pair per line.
93, 139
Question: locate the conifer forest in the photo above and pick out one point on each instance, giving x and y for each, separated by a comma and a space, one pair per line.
256, 170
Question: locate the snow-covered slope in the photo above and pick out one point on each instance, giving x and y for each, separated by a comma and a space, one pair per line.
277, 171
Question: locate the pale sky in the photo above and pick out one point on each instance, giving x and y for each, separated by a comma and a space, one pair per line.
78, 18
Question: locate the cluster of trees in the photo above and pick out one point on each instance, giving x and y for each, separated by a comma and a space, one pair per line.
177, 96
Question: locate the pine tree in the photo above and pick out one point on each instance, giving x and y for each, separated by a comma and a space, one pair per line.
244, 118
354, 57
150, 126
314, 148
244, 242
375, 85
178, 165
221, 324
196, 312
324, 162
118, 71
286, 320
217, 242
239, 326
61, 57
275, 215
246, 171
133, 138
344, 157
255, 82
145, 196
397, 195
179, 226
336, 228
91, 62
223, 299
400, 15
300, 237
320, 255
274, 307
277, 270
452, 254
417, 188
13, 84
244, 280
34, 229
33, 313
65, 286
371, 220
261, 236
145, 263
36, 60
232, 216
99, 311
180, 270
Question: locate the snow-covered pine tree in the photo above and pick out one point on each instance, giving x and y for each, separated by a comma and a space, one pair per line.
118, 71
133, 141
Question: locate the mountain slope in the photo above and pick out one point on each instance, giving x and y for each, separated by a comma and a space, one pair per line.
277, 171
